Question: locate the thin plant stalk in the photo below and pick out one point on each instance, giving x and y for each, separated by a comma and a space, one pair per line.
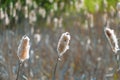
56, 64
62, 47
19, 67
117, 61
29, 68
23, 52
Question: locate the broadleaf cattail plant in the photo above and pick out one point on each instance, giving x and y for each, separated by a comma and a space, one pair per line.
110, 34
23, 51
113, 41
62, 47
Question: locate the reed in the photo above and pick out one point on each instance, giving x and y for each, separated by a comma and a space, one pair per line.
113, 41
62, 47
23, 52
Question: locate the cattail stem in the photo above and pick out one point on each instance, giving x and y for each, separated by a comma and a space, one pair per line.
29, 68
117, 61
55, 68
19, 67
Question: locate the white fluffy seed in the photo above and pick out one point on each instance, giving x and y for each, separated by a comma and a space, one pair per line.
63, 44
23, 48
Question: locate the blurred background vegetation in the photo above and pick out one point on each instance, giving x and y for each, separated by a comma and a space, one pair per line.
89, 57
36, 11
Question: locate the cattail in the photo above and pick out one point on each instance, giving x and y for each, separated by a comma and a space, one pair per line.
63, 44
23, 48
2, 14
118, 6
7, 20
37, 38
32, 16
26, 11
62, 47
18, 5
42, 12
112, 39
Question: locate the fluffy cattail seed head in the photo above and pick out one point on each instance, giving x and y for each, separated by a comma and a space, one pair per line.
112, 39
63, 44
23, 48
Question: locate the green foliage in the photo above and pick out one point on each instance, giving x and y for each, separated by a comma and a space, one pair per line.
53, 8
111, 3
91, 5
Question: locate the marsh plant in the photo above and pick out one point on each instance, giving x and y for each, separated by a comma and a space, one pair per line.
113, 41
62, 47
23, 52
110, 34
